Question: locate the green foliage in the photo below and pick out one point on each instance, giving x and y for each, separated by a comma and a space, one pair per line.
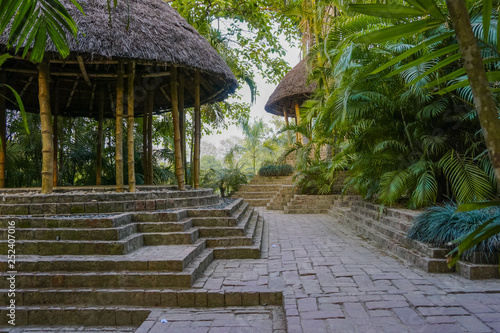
441, 225
225, 180
276, 170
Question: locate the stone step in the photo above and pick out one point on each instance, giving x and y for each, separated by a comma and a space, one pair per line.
228, 211
229, 231
260, 188
101, 207
101, 234
169, 257
80, 316
181, 226
431, 265
112, 279
223, 220
91, 221
477, 271
144, 298
246, 238
244, 252
171, 238
257, 202
305, 211
74, 247
255, 195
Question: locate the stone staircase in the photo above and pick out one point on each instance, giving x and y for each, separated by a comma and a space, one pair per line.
388, 226
114, 269
315, 204
281, 198
261, 190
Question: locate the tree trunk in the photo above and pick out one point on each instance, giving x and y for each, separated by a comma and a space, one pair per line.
197, 129
98, 167
151, 105
119, 129
483, 100
297, 121
130, 126
55, 131
3, 130
287, 132
182, 122
179, 171
145, 166
46, 124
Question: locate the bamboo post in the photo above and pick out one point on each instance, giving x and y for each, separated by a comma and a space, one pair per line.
46, 124
182, 121
197, 129
145, 166
3, 130
151, 97
130, 126
55, 131
119, 128
287, 132
179, 171
98, 168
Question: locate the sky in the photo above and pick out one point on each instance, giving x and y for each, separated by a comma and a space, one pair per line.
257, 109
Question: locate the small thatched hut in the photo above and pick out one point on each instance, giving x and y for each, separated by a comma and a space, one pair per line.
290, 93
165, 62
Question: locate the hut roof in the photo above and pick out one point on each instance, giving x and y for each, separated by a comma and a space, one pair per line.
292, 88
157, 38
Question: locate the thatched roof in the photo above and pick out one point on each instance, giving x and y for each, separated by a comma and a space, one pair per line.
157, 38
292, 88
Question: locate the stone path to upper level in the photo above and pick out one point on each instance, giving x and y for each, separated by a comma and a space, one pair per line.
334, 281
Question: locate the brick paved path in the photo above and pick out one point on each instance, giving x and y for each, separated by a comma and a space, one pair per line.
334, 281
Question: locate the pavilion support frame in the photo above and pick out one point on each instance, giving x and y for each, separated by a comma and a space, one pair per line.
197, 130
98, 168
150, 103
182, 121
130, 126
119, 128
297, 120
145, 167
179, 170
3, 130
55, 132
287, 132
46, 125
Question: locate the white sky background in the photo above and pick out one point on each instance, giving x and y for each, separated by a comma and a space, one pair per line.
257, 109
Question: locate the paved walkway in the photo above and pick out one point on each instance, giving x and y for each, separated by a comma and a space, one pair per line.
334, 281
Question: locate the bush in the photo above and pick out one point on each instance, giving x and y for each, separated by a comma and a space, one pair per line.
440, 225
276, 170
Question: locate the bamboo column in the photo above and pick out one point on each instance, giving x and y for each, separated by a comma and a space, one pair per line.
119, 128
179, 171
197, 129
182, 122
46, 124
151, 97
130, 126
287, 132
100, 116
55, 131
3, 130
145, 167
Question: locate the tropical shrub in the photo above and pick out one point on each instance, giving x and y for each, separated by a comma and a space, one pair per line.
440, 225
225, 180
275, 170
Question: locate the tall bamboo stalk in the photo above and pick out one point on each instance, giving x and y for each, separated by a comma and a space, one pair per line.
3, 130
179, 171
197, 129
145, 167
182, 122
46, 124
130, 126
287, 132
151, 105
297, 121
55, 131
98, 167
119, 128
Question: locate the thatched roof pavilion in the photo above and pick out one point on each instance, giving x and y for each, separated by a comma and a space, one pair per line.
290, 94
164, 61
293, 89
157, 38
